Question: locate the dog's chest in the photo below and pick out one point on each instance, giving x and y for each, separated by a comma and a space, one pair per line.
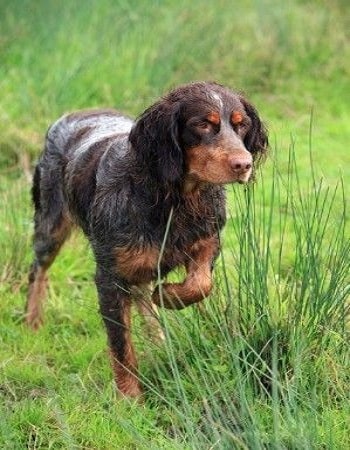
142, 263
160, 242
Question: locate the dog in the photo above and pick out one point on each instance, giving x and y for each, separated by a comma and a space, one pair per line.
149, 195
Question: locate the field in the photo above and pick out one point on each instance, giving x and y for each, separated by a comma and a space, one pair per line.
265, 362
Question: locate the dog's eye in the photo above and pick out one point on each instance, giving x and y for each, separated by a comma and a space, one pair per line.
204, 126
237, 121
241, 128
237, 126
240, 122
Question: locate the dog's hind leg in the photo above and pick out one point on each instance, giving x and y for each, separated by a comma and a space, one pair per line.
51, 228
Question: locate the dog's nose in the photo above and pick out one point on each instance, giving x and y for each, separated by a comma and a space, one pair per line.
241, 163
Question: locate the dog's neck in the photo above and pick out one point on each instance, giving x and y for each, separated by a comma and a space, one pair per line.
192, 185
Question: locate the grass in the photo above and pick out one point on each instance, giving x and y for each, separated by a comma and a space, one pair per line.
264, 363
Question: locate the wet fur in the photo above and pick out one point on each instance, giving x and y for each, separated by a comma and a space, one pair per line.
122, 181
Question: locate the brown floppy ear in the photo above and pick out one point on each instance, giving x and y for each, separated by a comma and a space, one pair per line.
256, 140
154, 139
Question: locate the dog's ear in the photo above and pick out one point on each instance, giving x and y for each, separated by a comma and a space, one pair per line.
256, 140
155, 141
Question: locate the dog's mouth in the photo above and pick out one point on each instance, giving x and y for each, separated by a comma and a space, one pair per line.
244, 177
242, 182
193, 182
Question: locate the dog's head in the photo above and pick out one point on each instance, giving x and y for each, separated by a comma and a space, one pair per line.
200, 133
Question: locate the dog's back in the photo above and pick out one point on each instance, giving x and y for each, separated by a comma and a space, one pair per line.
74, 146
75, 133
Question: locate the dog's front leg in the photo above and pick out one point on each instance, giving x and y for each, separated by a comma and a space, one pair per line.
198, 282
115, 306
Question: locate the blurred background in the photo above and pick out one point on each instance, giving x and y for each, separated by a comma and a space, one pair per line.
265, 362
291, 58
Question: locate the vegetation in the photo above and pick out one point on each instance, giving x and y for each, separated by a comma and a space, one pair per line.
264, 362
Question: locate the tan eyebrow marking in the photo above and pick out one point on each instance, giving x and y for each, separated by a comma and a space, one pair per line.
236, 118
214, 118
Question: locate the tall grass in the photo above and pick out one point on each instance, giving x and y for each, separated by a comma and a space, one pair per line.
263, 363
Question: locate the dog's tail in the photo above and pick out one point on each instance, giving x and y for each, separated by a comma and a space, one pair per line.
48, 185
36, 188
